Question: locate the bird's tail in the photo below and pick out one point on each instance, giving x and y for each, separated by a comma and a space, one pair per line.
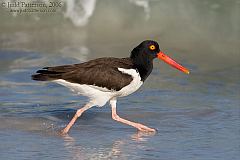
45, 75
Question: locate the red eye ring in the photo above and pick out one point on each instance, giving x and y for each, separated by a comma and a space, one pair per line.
152, 47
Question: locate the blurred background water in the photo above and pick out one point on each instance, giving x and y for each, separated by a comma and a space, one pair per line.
197, 115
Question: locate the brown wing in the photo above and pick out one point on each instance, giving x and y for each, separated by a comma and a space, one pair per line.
102, 72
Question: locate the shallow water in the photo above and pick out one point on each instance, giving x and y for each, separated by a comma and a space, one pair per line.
197, 116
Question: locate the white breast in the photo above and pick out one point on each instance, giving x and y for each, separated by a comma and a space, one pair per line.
134, 85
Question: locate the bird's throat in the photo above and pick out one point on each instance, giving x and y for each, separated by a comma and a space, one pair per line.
143, 65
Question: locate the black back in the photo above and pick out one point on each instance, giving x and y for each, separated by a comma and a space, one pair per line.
102, 72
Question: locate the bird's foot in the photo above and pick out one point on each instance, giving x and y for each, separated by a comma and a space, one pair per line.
143, 128
63, 132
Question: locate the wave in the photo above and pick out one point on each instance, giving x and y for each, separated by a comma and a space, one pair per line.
78, 11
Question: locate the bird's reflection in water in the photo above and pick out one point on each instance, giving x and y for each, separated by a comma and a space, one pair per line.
116, 150
72, 148
142, 136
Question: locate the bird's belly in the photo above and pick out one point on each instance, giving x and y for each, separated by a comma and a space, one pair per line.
98, 96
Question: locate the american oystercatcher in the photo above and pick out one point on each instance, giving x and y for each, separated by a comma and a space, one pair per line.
105, 79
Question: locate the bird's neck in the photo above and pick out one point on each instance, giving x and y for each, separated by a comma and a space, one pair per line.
144, 66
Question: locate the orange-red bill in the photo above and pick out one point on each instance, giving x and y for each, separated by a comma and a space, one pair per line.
171, 62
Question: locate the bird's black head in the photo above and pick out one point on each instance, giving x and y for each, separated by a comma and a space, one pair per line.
142, 57
147, 49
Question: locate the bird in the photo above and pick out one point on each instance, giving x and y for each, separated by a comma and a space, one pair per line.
103, 80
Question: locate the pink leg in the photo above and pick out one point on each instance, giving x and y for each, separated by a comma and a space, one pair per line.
75, 117
139, 126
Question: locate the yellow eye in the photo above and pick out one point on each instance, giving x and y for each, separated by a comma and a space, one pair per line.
152, 47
